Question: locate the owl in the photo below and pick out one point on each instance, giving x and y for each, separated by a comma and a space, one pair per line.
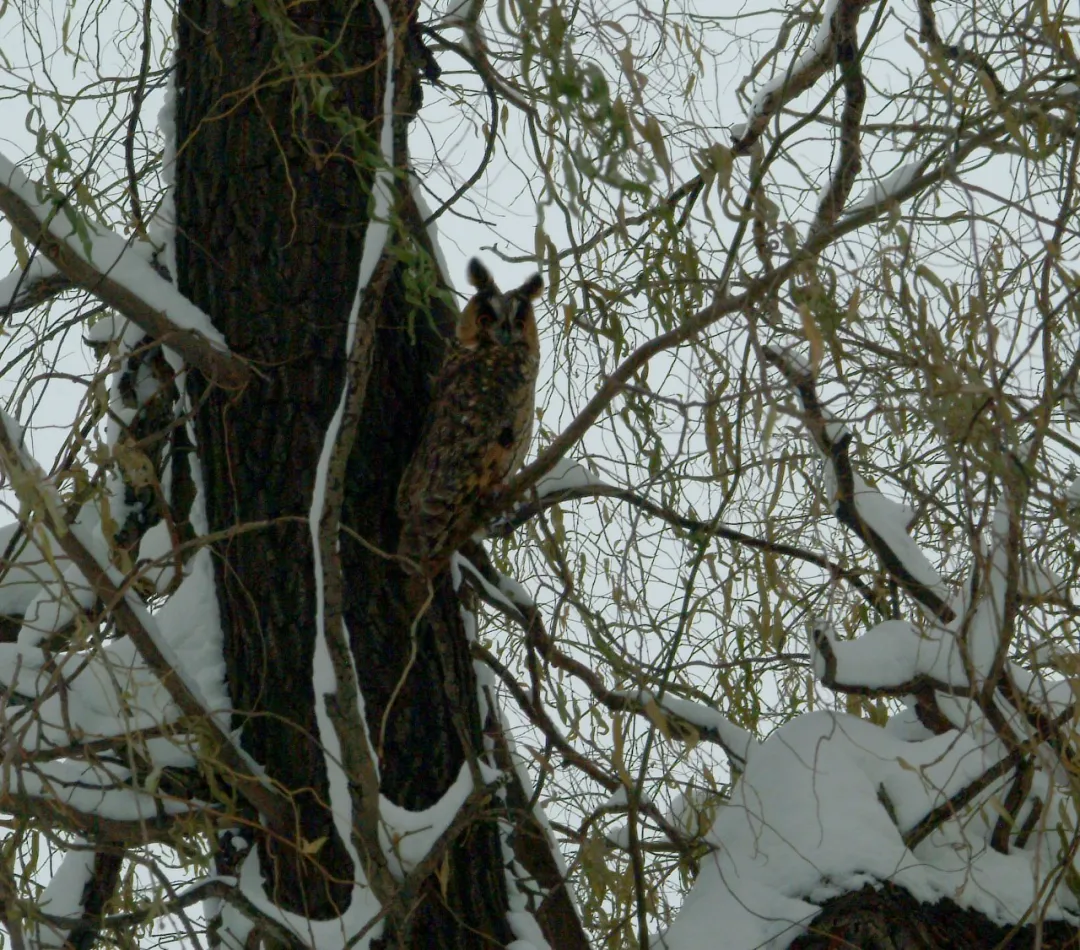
480, 423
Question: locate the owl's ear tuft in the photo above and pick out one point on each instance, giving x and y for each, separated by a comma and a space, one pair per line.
466, 330
532, 287
480, 276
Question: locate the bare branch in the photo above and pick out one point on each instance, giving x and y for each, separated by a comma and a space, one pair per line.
849, 160
708, 528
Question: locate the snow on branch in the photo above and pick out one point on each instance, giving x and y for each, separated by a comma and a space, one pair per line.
834, 36
88, 702
877, 521
676, 718
894, 658
32, 582
34, 284
966, 794
105, 265
494, 589
91, 800
957, 664
1072, 493
535, 871
889, 187
81, 698
566, 475
831, 803
352, 761
63, 897
60, 906
690, 717
40, 507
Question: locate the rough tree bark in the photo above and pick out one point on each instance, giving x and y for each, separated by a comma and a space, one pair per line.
273, 203
889, 918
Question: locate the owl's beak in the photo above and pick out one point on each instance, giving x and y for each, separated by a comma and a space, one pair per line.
502, 333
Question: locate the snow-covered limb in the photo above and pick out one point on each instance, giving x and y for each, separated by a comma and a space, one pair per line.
99, 801
146, 493
566, 475
1007, 729
70, 909
26, 288
81, 702
1042, 584
63, 896
105, 265
893, 658
889, 187
966, 645
681, 718
494, 589
567, 480
830, 803
207, 889
1072, 493
363, 917
884, 522
897, 659
38, 499
33, 583
62, 705
684, 718
416, 843
838, 18
408, 837
879, 522
536, 874
989, 601
349, 750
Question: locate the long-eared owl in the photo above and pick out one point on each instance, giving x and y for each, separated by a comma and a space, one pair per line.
480, 422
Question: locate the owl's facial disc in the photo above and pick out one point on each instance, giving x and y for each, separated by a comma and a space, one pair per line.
493, 322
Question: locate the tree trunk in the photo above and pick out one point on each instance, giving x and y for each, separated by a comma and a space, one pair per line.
273, 205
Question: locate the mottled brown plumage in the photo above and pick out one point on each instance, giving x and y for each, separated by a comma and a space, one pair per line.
480, 424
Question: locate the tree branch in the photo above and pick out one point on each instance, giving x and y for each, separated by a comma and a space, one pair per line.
709, 528
220, 366
834, 441
639, 703
134, 622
